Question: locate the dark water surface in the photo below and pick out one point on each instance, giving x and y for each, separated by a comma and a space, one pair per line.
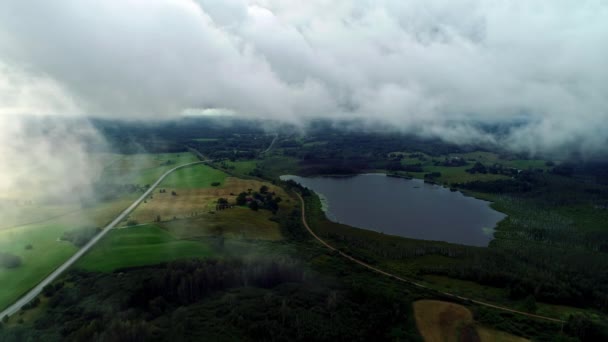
409, 208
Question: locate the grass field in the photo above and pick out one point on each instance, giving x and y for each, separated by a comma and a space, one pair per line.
440, 321
144, 168
458, 174
237, 222
275, 166
196, 176
189, 202
137, 246
489, 158
243, 167
46, 254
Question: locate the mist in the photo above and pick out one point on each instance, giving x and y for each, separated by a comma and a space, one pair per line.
434, 68
47, 158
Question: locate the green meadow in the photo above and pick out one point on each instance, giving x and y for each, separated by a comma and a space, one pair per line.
196, 176
138, 246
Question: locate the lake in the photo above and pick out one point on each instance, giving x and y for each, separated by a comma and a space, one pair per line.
404, 207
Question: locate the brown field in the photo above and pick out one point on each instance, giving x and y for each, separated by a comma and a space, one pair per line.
440, 321
237, 222
487, 334
191, 203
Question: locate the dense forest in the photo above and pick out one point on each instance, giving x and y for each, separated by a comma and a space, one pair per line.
195, 300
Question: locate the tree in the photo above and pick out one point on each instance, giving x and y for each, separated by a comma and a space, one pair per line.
241, 199
530, 304
263, 189
254, 205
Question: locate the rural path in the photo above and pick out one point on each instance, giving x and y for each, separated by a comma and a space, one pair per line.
15, 307
276, 136
411, 282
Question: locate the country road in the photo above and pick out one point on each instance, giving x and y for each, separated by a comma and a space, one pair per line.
276, 136
411, 282
29, 296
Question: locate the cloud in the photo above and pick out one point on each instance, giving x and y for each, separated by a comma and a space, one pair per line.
436, 68
46, 158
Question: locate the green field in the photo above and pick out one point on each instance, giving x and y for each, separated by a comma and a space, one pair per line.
137, 246
46, 254
143, 168
458, 174
489, 158
196, 176
243, 167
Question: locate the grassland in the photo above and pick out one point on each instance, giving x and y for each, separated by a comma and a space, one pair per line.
137, 246
458, 174
241, 168
238, 222
440, 321
274, 166
46, 254
194, 202
489, 158
144, 168
196, 176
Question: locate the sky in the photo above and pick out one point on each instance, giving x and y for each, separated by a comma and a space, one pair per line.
429, 67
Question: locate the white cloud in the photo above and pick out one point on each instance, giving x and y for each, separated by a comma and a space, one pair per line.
432, 67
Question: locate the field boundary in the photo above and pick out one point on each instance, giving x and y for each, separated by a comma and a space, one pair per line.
414, 283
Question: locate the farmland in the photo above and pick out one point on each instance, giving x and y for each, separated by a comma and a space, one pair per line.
440, 321
137, 246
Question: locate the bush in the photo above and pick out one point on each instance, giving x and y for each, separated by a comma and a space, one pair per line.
215, 184
32, 304
79, 237
131, 223
9, 260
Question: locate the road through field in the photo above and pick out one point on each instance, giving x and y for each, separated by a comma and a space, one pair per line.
411, 282
29, 296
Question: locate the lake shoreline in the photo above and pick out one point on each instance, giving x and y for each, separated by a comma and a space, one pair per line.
388, 205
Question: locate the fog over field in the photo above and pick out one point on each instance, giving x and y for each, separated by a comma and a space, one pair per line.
435, 68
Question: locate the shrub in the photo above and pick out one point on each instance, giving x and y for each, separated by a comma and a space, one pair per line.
79, 237
9, 260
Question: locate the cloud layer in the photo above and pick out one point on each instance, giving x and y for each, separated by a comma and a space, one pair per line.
436, 68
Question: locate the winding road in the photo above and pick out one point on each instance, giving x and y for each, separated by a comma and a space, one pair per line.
29, 296
411, 282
